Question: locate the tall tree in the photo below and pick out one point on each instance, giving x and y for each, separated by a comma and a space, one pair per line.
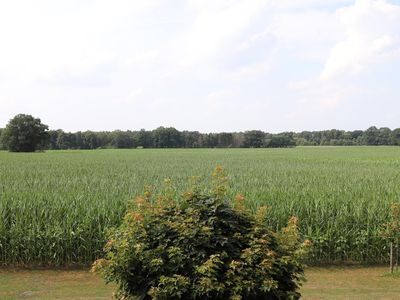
396, 136
1, 144
281, 141
24, 133
370, 136
210, 140
122, 139
89, 140
167, 137
254, 138
225, 139
191, 139
144, 139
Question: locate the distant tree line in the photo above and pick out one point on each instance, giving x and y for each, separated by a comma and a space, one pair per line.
373, 136
168, 137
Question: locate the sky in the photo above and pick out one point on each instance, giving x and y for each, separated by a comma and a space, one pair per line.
206, 65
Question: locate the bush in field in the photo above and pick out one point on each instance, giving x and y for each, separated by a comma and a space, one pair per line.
391, 232
199, 246
24, 133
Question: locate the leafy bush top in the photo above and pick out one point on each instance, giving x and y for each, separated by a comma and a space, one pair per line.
391, 229
201, 247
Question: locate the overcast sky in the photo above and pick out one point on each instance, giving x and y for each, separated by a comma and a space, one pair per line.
212, 66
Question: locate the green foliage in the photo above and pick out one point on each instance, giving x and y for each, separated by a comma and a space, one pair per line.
167, 137
281, 141
254, 139
24, 133
391, 229
172, 138
391, 232
1, 142
200, 247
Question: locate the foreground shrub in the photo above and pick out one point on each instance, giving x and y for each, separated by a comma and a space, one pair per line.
200, 246
390, 231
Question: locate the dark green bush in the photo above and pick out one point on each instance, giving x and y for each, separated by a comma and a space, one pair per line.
200, 246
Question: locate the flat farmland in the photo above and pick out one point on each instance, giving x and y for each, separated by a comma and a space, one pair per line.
56, 206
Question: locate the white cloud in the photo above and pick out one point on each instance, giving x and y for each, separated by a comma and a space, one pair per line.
305, 4
372, 36
215, 23
41, 39
321, 94
216, 95
311, 26
131, 98
140, 58
357, 40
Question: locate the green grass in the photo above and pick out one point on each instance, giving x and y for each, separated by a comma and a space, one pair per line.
55, 206
52, 284
322, 283
350, 283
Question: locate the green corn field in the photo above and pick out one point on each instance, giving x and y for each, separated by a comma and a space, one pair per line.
56, 206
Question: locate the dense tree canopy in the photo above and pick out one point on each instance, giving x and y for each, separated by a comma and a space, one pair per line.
1, 143
281, 141
169, 137
24, 133
254, 138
